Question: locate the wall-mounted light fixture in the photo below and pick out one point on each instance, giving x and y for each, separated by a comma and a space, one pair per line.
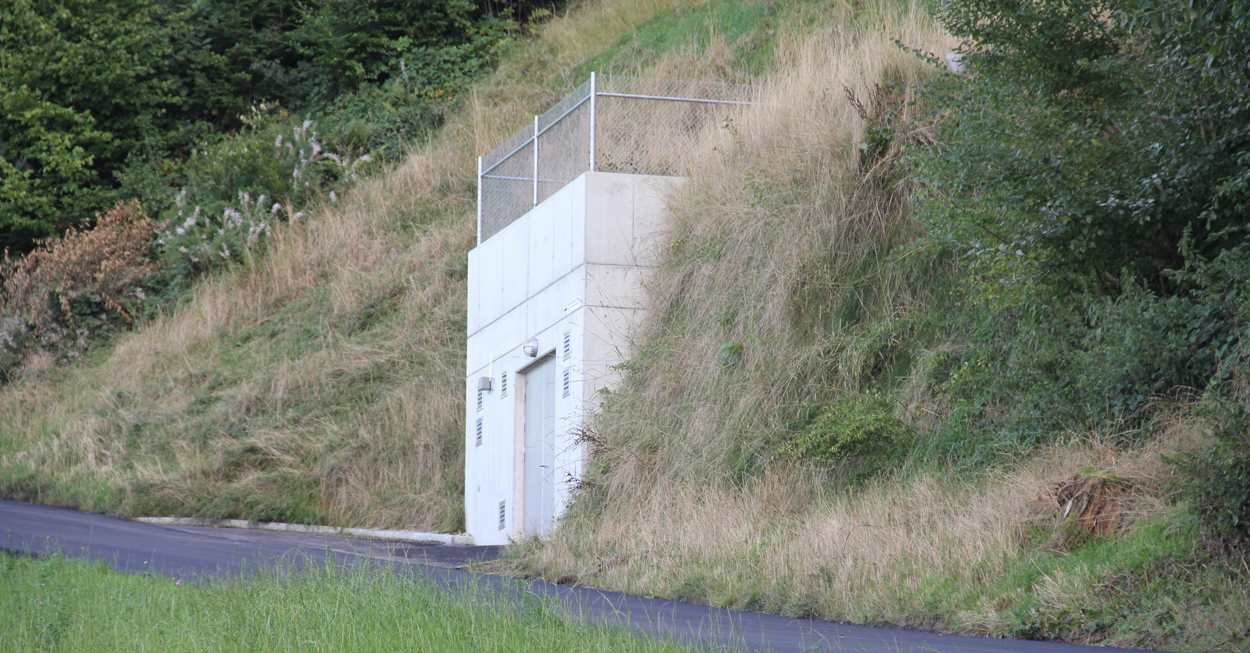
530, 347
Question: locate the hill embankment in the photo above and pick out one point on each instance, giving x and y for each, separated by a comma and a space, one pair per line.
926, 349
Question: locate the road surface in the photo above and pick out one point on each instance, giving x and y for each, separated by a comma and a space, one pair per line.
190, 552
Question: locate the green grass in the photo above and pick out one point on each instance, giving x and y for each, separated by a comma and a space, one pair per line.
748, 29
55, 604
1163, 586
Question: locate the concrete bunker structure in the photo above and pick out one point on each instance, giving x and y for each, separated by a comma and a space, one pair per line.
569, 212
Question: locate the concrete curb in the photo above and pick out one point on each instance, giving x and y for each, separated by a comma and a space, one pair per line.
411, 536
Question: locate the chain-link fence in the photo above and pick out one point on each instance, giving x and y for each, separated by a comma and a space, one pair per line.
609, 124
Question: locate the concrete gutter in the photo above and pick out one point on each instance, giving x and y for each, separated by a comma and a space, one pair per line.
411, 536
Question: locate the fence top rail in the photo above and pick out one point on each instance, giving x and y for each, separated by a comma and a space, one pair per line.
616, 86
647, 131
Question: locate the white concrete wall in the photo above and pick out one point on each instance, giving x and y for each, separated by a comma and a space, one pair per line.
575, 264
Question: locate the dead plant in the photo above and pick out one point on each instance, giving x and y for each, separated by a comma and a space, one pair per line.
102, 262
1091, 506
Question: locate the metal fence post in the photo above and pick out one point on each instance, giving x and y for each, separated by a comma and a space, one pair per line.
535, 161
594, 91
479, 200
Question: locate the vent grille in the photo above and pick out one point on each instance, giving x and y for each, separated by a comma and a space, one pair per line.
566, 382
568, 344
503, 513
479, 431
479, 400
503, 384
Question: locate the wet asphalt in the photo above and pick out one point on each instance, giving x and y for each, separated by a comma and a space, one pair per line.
192, 552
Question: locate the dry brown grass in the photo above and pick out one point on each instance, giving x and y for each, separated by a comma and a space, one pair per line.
896, 551
777, 230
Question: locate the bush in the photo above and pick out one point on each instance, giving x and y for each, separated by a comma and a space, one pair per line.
1218, 480
81, 83
239, 187
1076, 149
858, 433
69, 292
1098, 365
89, 87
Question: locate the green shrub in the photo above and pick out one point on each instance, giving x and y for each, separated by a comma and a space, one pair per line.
82, 82
1098, 363
239, 187
1078, 148
1217, 481
95, 96
858, 433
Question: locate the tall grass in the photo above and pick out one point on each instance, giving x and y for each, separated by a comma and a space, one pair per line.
64, 605
786, 249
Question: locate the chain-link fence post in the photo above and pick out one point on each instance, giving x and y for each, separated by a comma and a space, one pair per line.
593, 92
479, 200
535, 162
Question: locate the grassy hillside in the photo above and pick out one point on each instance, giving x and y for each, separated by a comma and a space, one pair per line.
321, 382
827, 413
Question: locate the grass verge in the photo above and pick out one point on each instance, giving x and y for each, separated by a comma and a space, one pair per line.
55, 604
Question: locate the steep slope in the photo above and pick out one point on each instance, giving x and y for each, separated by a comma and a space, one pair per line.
781, 440
321, 382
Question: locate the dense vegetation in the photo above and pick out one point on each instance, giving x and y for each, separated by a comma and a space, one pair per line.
1094, 174
110, 100
220, 119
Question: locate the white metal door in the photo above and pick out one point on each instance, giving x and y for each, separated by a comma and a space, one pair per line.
540, 453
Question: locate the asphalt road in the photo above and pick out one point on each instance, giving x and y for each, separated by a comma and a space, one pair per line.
190, 552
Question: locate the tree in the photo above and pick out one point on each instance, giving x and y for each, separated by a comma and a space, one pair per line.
1093, 138
82, 83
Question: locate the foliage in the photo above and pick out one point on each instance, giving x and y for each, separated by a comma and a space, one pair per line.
241, 186
100, 100
1099, 363
858, 432
82, 83
69, 292
1079, 150
1049, 43
1217, 481
1091, 174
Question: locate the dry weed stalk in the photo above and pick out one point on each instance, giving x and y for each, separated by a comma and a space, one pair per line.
1090, 504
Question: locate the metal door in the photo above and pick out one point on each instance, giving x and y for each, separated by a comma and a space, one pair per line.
540, 454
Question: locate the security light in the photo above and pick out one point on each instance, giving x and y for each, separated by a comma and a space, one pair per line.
530, 347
